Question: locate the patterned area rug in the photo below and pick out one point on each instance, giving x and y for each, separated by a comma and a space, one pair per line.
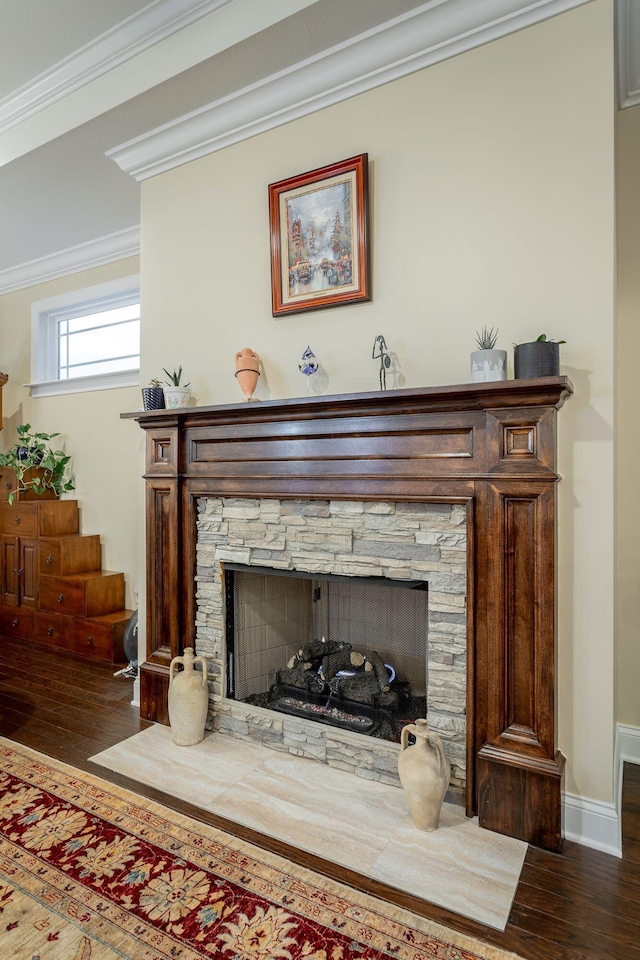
89, 871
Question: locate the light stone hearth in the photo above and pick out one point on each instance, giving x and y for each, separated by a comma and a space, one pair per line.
401, 541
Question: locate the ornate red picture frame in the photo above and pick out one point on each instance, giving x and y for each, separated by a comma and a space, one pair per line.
319, 238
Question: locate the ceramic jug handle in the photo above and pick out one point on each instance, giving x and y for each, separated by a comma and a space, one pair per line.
204, 667
404, 736
437, 743
172, 666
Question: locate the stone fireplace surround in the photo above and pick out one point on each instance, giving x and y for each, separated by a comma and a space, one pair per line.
488, 447
398, 541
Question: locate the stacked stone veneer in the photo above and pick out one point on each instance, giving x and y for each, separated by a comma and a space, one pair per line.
402, 541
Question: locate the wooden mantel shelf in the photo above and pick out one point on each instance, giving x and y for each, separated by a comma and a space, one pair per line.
491, 446
467, 396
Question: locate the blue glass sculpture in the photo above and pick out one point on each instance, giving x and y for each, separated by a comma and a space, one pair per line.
308, 363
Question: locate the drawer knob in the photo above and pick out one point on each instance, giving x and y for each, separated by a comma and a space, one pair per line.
89, 641
49, 559
8, 484
19, 571
60, 597
18, 519
14, 623
50, 631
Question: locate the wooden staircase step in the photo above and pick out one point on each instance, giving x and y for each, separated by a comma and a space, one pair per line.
62, 556
91, 594
101, 637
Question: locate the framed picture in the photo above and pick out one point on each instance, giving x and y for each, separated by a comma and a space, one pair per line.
319, 247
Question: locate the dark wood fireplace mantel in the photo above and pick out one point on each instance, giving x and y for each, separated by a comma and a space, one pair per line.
489, 445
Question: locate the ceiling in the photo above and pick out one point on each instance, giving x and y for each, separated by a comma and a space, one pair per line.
95, 96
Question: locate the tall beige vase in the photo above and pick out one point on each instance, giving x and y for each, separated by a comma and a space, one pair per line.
424, 773
188, 699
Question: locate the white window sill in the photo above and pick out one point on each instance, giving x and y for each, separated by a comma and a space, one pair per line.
101, 381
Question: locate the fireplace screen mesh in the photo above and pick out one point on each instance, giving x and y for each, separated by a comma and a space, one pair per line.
344, 651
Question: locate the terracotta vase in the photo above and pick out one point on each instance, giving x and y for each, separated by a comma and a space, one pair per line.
247, 371
188, 699
424, 774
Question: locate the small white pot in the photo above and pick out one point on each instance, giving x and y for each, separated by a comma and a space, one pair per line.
486, 365
177, 397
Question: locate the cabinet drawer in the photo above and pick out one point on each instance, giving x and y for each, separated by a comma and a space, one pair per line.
62, 556
91, 639
16, 623
101, 638
85, 595
50, 518
51, 629
20, 519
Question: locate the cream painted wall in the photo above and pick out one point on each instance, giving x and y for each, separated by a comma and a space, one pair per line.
492, 201
107, 452
627, 434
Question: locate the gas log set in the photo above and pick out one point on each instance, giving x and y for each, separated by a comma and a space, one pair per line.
332, 683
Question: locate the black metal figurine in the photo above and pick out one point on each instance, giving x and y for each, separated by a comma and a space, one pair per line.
385, 359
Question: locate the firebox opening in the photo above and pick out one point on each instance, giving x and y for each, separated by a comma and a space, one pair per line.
350, 652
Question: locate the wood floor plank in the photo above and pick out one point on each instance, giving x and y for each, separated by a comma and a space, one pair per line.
578, 905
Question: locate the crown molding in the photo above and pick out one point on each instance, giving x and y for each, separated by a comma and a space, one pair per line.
429, 34
154, 23
628, 36
84, 256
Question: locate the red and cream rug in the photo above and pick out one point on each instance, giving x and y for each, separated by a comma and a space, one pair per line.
89, 871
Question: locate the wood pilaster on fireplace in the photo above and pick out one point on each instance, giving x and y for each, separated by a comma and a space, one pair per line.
489, 445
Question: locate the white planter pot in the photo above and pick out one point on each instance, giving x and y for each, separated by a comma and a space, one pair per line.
177, 397
486, 365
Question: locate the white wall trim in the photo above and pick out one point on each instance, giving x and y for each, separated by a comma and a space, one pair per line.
627, 750
128, 39
592, 823
628, 36
136, 692
84, 256
433, 32
628, 744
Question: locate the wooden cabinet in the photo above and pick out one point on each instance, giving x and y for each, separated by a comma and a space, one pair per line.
53, 590
16, 622
19, 571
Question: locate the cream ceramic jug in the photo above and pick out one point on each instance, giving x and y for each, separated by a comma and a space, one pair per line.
188, 699
424, 773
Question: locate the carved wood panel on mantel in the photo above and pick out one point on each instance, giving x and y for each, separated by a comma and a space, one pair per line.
491, 445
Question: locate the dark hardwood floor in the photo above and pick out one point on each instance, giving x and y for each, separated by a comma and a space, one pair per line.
576, 905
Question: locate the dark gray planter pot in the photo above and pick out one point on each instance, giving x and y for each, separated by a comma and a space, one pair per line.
153, 398
538, 359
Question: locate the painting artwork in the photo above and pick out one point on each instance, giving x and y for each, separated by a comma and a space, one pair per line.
319, 255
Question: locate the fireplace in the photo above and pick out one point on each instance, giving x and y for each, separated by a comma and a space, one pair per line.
289, 592
349, 652
486, 450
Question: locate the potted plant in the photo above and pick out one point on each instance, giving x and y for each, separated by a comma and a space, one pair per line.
540, 358
175, 394
39, 470
487, 363
153, 396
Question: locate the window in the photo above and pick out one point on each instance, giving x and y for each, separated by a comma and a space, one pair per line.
86, 340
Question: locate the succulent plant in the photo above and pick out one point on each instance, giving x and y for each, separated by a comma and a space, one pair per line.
486, 339
175, 377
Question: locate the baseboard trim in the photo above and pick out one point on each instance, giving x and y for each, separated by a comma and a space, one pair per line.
592, 823
627, 744
136, 692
